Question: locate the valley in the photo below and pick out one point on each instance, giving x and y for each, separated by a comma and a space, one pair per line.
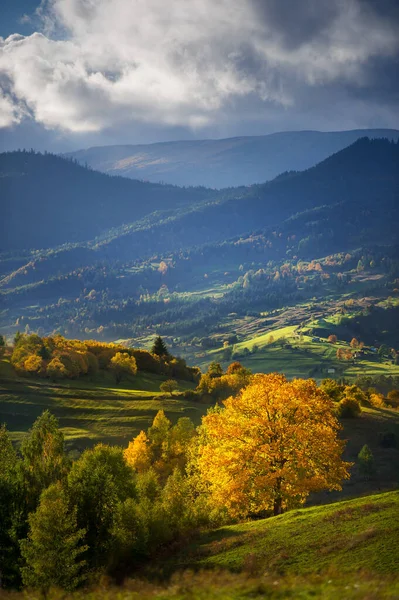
134, 315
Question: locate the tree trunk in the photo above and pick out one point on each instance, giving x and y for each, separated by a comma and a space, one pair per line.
278, 506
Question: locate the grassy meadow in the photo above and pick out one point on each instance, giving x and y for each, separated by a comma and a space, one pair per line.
306, 541
90, 411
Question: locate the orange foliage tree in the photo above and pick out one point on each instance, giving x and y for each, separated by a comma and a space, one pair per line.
269, 447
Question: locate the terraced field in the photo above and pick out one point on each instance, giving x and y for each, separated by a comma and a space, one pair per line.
90, 412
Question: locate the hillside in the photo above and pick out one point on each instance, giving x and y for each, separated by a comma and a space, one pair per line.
309, 540
226, 162
302, 554
46, 200
357, 189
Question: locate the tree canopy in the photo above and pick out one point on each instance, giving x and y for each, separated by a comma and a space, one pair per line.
270, 446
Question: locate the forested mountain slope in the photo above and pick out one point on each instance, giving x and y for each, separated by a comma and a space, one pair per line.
349, 199
361, 181
46, 200
225, 162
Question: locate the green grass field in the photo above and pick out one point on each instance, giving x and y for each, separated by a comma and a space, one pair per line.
306, 541
90, 411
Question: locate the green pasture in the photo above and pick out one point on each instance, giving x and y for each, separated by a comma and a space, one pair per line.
354, 536
90, 411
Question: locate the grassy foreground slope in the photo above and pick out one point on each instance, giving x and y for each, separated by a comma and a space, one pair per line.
344, 550
350, 536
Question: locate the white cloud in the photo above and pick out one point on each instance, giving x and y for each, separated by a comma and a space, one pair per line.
102, 63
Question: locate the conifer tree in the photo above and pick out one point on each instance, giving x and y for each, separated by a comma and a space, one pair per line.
159, 347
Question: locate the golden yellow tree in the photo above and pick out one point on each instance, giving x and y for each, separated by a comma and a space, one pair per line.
138, 453
271, 446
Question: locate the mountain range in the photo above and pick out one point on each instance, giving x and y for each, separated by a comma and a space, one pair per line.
225, 162
71, 235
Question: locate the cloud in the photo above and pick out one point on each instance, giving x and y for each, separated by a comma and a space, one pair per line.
101, 64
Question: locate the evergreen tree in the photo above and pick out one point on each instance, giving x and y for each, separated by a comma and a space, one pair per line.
159, 347
53, 547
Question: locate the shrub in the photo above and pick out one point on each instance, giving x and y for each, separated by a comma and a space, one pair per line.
348, 408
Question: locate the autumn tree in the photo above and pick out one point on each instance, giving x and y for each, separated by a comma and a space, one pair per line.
138, 453
354, 343
168, 386
123, 364
332, 339
270, 446
159, 347
56, 369
33, 363
52, 551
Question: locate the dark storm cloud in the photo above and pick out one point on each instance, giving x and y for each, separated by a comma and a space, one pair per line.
297, 22
125, 70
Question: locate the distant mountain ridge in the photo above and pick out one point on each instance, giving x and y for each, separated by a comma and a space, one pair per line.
348, 200
225, 162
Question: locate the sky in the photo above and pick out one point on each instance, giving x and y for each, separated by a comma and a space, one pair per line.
78, 73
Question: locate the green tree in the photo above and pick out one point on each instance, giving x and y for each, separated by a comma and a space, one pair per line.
215, 369
168, 386
159, 347
123, 364
332, 389
44, 458
97, 482
366, 462
54, 544
12, 512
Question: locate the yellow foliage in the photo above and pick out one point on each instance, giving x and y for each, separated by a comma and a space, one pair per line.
377, 400
33, 363
271, 446
138, 453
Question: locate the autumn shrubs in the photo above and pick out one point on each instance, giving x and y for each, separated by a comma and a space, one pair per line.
57, 358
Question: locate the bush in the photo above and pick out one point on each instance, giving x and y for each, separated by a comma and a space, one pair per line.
348, 408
